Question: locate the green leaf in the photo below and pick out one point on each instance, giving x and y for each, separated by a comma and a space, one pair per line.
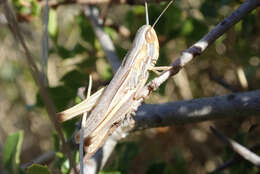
53, 25
127, 152
178, 164
209, 9
249, 25
24, 10
238, 26
38, 169
132, 21
158, 167
66, 53
111, 32
109, 172
165, 25
194, 29
187, 28
16, 3
63, 52
12, 151
60, 95
36, 8
75, 79
56, 141
8, 71
61, 162
139, 9
87, 63
65, 167
87, 32
121, 52
69, 127
107, 72
129, 19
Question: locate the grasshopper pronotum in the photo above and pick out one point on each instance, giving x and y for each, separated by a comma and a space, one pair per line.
112, 104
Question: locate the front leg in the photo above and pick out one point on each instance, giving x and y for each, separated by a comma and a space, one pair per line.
157, 69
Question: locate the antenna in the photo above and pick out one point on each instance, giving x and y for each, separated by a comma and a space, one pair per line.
162, 12
146, 13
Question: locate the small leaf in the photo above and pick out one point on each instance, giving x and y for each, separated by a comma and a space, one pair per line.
38, 169
65, 167
87, 32
105, 70
60, 95
66, 53
111, 32
139, 9
63, 52
194, 29
53, 26
36, 8
75, 79
12, 151
187, 28
109, 172
60, 162
56, 141
238, 26
121, 52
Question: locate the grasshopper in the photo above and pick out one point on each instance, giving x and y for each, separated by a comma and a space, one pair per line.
112, 104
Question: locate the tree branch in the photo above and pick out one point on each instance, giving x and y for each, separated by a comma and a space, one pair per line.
197, 110
45, 44
200, 46
55, 4
238, 148
107, 45
183, 112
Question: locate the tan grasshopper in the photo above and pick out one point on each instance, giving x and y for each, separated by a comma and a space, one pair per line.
110, 105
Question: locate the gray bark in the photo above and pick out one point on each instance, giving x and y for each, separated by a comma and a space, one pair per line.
211, 108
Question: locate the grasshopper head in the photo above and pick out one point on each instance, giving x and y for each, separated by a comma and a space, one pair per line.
150, 35
153, 43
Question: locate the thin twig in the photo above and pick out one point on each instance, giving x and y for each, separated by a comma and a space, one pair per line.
45, 46
36, 76
233, 161
106, 43
238, 148
223, 83
42, 159
83, 123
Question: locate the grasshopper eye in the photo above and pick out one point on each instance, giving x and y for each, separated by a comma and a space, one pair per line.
150, 35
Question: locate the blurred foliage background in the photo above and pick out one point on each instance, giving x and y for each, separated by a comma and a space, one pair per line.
231, 64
